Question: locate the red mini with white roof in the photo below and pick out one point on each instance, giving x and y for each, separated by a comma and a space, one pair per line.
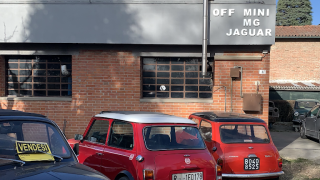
145, 146
240, 144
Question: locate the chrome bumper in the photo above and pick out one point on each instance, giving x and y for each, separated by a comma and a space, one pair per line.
252, 175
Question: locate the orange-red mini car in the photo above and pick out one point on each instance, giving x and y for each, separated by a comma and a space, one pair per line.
241, 144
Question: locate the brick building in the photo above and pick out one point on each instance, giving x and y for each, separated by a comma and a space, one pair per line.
294, 69
70, 67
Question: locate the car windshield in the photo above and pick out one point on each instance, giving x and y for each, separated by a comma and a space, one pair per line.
305, 104
172, 137
244, 134
30, 138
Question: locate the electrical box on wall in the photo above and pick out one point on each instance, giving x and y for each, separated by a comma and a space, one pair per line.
252, 102
234, 72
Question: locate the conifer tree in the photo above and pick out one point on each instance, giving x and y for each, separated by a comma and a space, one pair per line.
293, 13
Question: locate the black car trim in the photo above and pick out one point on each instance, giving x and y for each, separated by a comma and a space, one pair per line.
126, 173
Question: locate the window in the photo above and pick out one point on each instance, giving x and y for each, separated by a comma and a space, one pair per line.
98, 131
121, 135
175, 78
20, 130
38, 76
172, 137
244, 134
313, 112
206, 130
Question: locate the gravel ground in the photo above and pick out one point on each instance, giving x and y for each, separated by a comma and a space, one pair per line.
300, 169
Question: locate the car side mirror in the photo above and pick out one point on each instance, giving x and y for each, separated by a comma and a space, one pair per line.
214, 149
78, 137
76, 149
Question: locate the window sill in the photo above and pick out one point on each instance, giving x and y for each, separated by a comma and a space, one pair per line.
191, 100
36, 98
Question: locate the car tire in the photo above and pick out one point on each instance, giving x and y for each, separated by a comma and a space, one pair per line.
302, 132
296, 129
124, 178
277, 178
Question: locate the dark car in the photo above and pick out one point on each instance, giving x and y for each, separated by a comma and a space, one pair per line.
301, 107
33, 147
310, 123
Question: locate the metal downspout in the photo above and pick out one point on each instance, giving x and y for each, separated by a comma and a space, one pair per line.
205, 37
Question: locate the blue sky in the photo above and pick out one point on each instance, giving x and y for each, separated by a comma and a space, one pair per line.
316, 11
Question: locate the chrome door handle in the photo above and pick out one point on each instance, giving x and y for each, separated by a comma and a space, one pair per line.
99, 154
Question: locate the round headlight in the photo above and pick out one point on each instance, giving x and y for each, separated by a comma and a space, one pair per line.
296, 114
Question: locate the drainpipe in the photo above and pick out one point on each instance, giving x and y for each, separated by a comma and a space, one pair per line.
205, 37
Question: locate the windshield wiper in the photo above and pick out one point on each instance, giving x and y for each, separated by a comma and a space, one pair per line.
32, 152
14, 160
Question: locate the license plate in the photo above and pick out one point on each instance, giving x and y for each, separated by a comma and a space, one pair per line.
251, 163
188, 176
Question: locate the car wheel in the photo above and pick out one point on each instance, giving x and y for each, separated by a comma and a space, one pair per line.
302, 132
296, 129
124, 178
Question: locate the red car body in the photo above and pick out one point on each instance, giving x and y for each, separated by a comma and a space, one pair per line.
235, 139
135, 145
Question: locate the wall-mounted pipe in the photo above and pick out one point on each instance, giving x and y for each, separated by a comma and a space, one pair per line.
241, 95
205, 37
231, 93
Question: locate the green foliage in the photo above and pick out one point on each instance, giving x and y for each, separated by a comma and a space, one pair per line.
285, 110
294, 13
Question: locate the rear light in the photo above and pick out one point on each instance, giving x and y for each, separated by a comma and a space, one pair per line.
219, 172
280, 162
220, 162
148, 174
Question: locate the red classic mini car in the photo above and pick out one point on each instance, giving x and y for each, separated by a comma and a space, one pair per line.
240, 144
145, 146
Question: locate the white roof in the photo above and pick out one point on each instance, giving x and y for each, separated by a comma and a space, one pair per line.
144, 117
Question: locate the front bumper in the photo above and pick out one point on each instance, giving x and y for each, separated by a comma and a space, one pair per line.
262, 175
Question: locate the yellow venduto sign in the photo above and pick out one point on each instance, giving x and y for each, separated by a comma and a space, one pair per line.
29, 151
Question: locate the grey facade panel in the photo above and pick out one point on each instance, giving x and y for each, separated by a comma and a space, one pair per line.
123, 22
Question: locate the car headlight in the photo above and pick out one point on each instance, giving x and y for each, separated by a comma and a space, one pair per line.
296, 114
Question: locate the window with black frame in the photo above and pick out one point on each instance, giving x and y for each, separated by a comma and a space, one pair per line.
38, 75
175, 78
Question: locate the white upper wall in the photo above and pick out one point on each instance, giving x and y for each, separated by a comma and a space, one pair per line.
133, 22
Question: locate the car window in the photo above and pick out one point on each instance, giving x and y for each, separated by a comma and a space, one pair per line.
172, 137
30, 132
244, 134
304, 104
206, 130
121, 135
313, 112
98, 131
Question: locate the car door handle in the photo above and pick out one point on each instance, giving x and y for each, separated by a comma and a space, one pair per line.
99, 154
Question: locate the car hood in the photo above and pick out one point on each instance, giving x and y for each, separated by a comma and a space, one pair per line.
58, 171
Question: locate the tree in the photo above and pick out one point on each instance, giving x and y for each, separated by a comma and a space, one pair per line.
293, 13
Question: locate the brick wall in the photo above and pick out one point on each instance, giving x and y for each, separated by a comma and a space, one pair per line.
110, 80
250, 75
295, 60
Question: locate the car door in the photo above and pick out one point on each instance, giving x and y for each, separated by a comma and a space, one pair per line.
206, 132
311, 121
92, 146
120, 152
317, 125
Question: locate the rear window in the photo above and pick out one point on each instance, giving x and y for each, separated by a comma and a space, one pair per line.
244, 134
172, 137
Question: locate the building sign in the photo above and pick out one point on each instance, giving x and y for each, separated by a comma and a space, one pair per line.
247, 22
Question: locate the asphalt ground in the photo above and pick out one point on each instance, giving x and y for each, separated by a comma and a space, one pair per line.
291, 146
